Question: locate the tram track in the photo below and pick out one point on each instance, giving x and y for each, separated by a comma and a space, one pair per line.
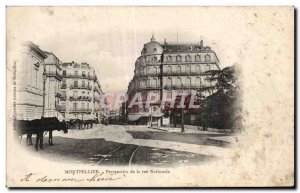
122, 148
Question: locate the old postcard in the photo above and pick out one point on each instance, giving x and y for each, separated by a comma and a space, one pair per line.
150, 97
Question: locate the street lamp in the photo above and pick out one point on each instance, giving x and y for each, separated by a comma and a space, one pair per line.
151, 110
182, 113
44, 87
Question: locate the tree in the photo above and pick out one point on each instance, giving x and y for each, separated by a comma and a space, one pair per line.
222, 109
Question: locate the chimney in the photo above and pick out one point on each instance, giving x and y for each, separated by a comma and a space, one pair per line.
201, 44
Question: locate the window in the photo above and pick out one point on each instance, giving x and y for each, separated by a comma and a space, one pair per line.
64, 84
74, 106
169, 59
76, 73
155, 58
188, 58
83, 83
148, 82
75, 83
178, 58
169, 81
155, 82
179, 82
82, 106
154, 49
75, 94
88, 105
83, 73
64, 73
199, 81
208, 67
207, 58
198, 58
188, 69
169, 69
36, 77
188, 81
198, 69
178, 69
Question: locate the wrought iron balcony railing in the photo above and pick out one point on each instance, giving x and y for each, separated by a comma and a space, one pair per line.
82, 76
53, 74
149, 87
81, 98
187, 86
88, 87
63, 86
60, 108
191, 73
80, 110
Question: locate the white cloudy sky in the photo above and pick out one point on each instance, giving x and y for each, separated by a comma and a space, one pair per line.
110, 39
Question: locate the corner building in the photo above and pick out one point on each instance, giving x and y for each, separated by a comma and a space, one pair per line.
81, 92
167, 67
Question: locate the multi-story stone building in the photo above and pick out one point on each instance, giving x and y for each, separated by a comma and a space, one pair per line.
82, 92
53, 94
29, 83
165, 67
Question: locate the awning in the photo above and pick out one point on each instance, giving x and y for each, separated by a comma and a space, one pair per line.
157, 114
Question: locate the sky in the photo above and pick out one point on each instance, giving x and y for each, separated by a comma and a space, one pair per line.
111, 39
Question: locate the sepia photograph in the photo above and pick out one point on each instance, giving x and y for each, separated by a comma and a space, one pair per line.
147, 96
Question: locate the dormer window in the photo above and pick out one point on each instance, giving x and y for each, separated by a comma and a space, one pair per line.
207, 58
169, 58
178, 58
198, 57
188, 58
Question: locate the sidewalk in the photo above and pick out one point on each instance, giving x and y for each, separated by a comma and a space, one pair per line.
189, 129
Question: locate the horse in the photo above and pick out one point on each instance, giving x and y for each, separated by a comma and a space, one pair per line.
38, 127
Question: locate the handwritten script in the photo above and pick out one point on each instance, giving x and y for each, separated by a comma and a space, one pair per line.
31, 177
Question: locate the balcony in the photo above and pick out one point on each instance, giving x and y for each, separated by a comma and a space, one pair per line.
187, 86
81, 98
95, 78
149, 74
81, 76
63, 86
97, 99
60, 94
145, 87
88, 87
53, 74
80, 110
60, 108
97, 89
185, 73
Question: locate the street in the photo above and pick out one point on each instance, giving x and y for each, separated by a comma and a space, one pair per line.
135, 145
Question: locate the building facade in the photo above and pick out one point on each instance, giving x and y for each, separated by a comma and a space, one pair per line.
53, 79
29, 83
82, 92
168, 67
